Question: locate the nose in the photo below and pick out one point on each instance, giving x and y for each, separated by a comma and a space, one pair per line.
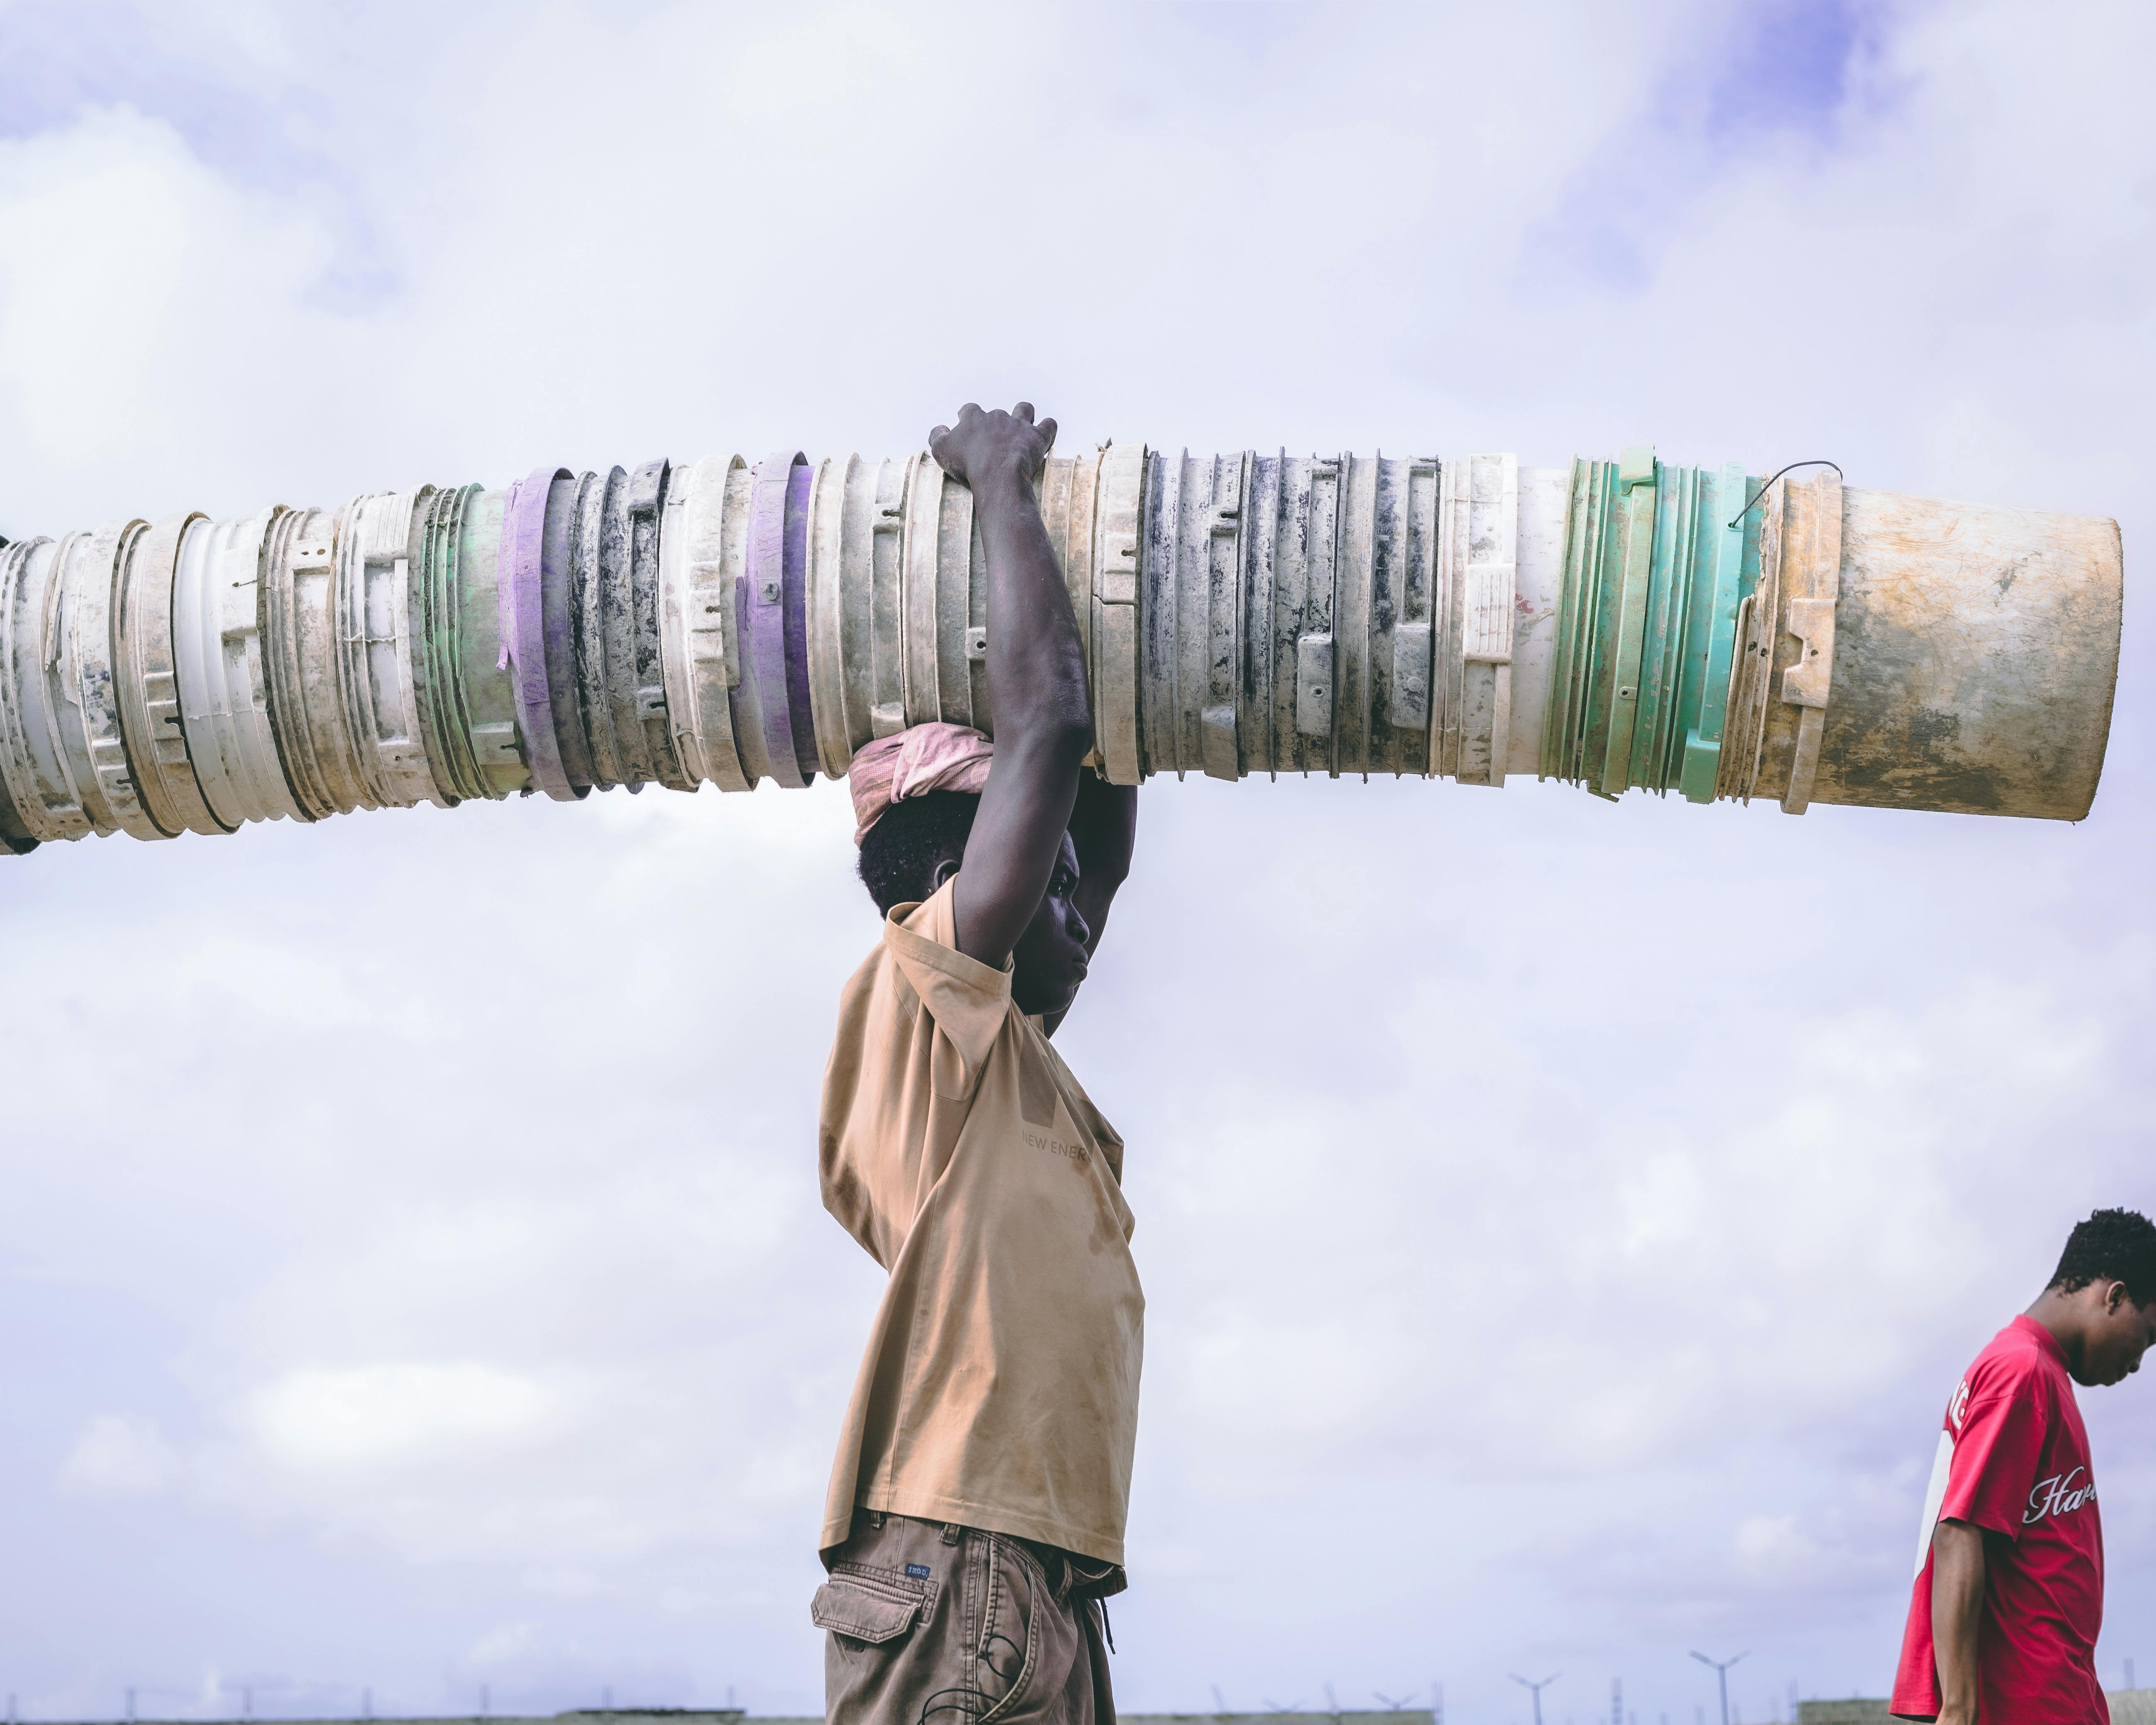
1080, 931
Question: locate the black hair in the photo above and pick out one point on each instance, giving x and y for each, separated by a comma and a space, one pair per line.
900, 855
2112, 1246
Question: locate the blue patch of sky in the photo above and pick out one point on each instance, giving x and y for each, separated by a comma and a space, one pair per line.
1774, 74
1790, 73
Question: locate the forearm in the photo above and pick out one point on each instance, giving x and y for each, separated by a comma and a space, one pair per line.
1036, 661
1956, 1615
1103, 832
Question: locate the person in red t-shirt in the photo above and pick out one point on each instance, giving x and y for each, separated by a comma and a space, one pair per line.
2010, 1566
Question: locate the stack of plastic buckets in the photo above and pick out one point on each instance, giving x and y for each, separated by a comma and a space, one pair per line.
1624, 624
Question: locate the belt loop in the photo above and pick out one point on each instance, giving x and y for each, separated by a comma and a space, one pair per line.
876, 1519
951, 1531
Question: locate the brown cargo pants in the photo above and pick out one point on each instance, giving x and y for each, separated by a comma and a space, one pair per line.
930, 1624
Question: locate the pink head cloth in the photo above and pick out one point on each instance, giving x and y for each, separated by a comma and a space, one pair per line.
913, 762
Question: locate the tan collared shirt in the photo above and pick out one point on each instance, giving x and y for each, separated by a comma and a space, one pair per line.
1000, 1387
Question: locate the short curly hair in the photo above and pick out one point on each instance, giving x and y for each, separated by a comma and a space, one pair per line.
901, 851
2112, 1246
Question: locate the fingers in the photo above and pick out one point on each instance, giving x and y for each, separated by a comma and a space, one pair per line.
951, 444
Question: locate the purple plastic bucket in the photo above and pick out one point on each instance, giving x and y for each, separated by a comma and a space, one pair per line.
767, 605
524, 544
800, 709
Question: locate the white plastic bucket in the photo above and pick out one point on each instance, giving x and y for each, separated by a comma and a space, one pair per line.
84, 682
224, 684
149, 698
377, 550
41, 780
302, 627
703, 550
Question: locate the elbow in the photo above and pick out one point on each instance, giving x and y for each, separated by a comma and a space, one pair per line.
1058, 721
1057, 738
1069, 738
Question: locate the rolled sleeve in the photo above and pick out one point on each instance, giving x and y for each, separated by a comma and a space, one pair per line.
967, 999
1995, 1460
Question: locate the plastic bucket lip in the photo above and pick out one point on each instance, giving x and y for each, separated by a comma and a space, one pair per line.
437, 627
801, 710
1679, 508
703, 545
18, 790
88, 691
1158, 708
1710, 633
224, 684
430, 640
294, 624
521, 577
486, 688
152, 703
205, 714
380, 555
598, 630
39, 787
762, 601
1118, 507
676, 644
649, 695
841, 521
316, 735
558, 631
855, 531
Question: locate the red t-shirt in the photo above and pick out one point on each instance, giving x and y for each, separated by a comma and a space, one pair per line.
2014, 1460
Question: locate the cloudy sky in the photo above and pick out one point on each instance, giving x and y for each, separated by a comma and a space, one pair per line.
1563, 1223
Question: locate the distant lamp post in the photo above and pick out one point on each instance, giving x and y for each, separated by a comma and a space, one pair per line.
1721, 1676
1536, 1689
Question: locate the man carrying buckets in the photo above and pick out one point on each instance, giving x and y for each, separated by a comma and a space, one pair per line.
975, 1524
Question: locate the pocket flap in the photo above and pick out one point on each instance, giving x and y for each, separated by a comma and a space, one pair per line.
851, 1608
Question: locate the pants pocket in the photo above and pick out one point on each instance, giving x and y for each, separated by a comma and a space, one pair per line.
868, 1608
1028, 1641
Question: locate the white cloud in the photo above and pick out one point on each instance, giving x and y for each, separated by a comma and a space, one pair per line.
386, 1414
151, 312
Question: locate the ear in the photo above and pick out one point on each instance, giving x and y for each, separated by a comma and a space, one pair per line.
2114, 1297
943, 873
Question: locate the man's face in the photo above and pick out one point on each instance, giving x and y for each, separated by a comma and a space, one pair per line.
1051, 953
2117, 1335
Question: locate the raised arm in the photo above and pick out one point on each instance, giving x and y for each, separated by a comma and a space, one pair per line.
1044, 725
1956, 1613
1104, 830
